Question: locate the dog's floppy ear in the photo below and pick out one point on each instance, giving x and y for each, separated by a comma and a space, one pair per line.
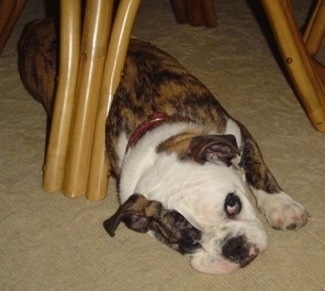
213, 148
136, 213
170, 227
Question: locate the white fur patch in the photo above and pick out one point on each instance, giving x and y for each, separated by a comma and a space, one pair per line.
233, 128
141, 157
122, 142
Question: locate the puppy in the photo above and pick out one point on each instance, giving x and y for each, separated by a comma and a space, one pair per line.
184, 166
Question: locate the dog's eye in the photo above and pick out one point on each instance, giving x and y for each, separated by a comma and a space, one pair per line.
232, 205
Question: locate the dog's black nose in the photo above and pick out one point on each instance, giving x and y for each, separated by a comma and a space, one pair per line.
236, 249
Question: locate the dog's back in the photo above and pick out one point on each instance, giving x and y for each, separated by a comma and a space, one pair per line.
38, 60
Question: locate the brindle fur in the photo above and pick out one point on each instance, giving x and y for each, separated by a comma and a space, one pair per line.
152, 81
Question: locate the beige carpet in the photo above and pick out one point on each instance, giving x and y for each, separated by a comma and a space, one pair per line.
50, 242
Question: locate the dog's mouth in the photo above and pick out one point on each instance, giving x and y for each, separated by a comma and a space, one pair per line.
246, 261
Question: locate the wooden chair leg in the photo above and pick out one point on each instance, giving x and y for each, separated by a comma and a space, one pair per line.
209, 14
180, 11
9, 13
314, 34
55, 160
121, 33
297, 60
95, 36
320, 68
6, 9
88, 77
195, 12
315, 29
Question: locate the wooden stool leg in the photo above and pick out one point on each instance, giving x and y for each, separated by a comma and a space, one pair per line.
314, 35
6, 9
9, 13
297, 60
320, 68
179, 9
209, 14
194, 12
121, 32
96, 29
315, 29
68, 70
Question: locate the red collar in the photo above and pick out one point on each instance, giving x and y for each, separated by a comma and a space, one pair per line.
153, 121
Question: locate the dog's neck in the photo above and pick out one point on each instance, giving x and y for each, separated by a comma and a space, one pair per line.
153, 121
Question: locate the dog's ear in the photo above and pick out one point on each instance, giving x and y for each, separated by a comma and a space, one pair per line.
214, 148
170, 227
202, 148
136, 213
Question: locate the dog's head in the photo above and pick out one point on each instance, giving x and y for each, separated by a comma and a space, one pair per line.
195, 177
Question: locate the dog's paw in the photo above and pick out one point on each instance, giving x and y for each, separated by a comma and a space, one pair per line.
281, 211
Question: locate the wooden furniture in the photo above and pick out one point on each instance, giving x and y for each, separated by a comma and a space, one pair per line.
9, 13
298, 54
92, 57
76, 162
91, 60
195, 12
297, 51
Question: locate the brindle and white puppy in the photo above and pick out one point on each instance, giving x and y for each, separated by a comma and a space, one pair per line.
183, 164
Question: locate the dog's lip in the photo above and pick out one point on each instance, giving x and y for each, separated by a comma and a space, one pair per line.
243, 263
253, 253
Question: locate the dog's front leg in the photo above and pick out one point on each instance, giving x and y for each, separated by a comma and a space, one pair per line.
280, 210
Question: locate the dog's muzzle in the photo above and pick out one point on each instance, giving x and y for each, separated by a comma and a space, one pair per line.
226, 249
